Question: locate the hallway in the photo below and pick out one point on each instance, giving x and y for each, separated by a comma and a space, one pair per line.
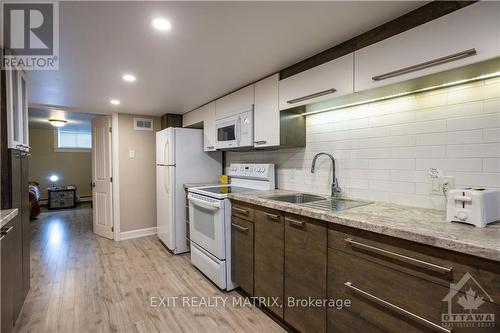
81, 282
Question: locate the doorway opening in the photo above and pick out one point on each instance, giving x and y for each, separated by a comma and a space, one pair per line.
69, 154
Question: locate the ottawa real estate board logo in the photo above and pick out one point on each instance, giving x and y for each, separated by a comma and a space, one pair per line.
30, 34
467, 305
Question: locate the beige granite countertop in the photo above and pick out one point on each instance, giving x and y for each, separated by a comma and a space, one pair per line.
6, 215
426, 226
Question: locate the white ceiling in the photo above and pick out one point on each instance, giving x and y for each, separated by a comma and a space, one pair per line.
213, 48
76, 121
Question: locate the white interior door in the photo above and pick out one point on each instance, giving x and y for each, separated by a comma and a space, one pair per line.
101, 177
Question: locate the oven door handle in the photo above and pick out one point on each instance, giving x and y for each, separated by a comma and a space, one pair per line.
205, 204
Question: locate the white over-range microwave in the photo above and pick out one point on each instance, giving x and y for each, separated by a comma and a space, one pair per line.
235, 131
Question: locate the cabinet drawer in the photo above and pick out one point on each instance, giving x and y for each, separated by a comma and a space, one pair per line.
305, 272
386, 300
329, 80
242, 235
269, 256
433, 264
242, 210
432, 47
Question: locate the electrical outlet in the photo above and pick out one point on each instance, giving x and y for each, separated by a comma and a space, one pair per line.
442, 185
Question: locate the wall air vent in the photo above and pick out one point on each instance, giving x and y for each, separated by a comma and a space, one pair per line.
143, 124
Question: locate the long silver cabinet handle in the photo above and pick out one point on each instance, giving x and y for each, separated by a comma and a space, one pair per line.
7, 230
397, 256
427, 64
295, 222
261, 142
318, 94
239, 227
397, 309
241, 210
273, 217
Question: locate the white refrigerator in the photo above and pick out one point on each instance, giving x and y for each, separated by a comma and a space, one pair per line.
180, 159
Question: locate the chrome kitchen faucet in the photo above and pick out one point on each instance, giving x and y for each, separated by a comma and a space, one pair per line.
336, 190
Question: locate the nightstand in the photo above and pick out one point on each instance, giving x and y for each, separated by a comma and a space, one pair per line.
62, 198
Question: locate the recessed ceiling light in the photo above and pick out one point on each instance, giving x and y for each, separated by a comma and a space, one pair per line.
57, 122
128, 78
161, 24
115, 102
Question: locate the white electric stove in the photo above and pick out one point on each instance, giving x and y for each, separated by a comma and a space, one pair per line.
210, 219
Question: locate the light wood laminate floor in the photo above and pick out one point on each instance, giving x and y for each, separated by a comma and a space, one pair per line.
81, 282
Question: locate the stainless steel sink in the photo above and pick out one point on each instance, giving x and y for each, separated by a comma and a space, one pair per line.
319, 202
336, 204
297, 198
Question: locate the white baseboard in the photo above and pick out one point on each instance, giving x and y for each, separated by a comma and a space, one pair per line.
137, 233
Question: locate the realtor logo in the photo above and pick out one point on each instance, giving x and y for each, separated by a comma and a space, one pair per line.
31, 35
464, 305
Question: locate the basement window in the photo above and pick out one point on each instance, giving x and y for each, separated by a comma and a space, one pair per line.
72, 141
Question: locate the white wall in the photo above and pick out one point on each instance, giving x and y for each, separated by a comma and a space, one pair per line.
384, 150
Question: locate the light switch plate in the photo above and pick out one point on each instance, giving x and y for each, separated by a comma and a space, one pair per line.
131, 154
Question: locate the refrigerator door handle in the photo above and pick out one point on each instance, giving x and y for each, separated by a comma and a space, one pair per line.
167, 180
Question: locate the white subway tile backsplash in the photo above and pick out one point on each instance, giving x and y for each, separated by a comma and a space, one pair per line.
491, 135
461, 164
384, 150
392, 164
466, 123
491, 165
476, 179
475, 136
391, 186
476, 150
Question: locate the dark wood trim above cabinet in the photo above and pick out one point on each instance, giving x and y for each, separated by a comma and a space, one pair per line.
171, 120
419, 16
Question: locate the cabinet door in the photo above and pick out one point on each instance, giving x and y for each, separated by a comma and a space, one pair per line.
305, 272
235, 102
26, 227
14, 115
329, 80
269, 257
242, 253
7, 280
11, 280
23, 109
193, 119
209, 127
267, 113
442, 41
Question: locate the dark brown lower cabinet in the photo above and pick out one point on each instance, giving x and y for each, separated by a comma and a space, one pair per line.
242, 253
305, 273
386, 300
11, 274
269, 257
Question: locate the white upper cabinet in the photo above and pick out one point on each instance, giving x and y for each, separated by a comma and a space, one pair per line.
235, 102
17, 110
193, 118
329, 80
468, 35
203, 117
208, 111
267, 113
